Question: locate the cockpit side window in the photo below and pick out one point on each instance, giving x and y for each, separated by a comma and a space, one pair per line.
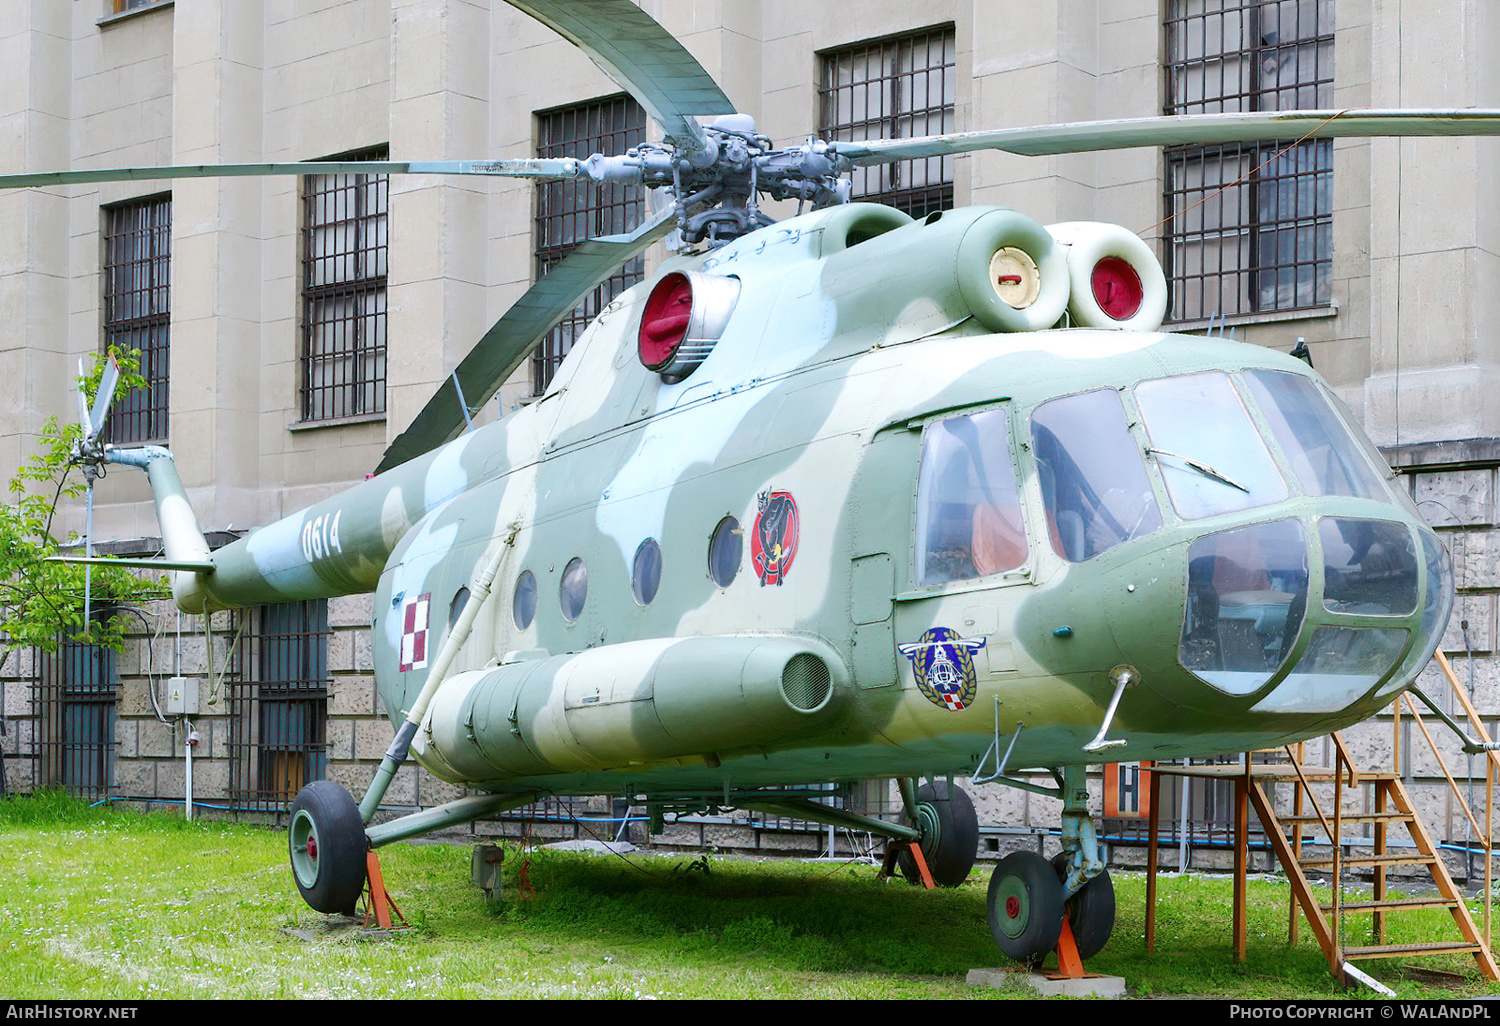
968, 509
1092, 477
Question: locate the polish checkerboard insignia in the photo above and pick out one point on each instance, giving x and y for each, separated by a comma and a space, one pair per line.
416, 616
943, 664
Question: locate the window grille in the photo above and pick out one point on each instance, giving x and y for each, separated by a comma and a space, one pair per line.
896, 88
138, 311
571, 212
1250, 226
278, 701
75, 695
345, 248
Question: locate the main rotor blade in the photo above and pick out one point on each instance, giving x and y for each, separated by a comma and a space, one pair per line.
631, 48
1182, 130
481, 373
545, 169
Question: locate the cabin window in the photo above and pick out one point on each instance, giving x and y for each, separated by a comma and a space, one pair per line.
1369, 567
1211, 457
969, 520
645, 574
574, 589
523, 603
724, 551
1093, 480
1247, 593
1338, 667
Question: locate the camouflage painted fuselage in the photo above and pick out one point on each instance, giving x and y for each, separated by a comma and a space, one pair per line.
831, 655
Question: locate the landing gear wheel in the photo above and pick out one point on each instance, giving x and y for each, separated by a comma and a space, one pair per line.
1026, 906
1091, 912
327, 843
950, 836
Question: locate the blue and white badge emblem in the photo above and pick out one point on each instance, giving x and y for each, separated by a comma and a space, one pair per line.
943, 664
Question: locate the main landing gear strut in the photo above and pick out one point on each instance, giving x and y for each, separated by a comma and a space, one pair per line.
1031, 898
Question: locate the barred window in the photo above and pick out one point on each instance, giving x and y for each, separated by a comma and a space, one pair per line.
76, 697
1251, 225
571, 212
896, 88
345, 245
138, 311
279, 704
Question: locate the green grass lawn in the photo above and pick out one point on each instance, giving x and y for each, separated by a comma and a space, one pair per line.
110, 904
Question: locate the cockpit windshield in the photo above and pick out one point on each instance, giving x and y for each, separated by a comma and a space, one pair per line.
1323, 456
1211, 457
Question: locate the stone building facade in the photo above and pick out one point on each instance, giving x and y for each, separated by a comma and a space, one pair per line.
1376, 254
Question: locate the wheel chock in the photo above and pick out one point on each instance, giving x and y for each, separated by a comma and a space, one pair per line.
893, 851
1069, 965
378, 901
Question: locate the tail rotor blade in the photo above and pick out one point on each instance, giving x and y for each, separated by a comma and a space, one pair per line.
85, 419
104, 397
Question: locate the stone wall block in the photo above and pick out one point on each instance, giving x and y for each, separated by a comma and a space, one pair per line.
1476, 557
16, 699
127, 738
156, 740
137, 779
132, 698
210, 778
352, 695
351, 611
340, 734
341, 651
1448, 498
371, 739
1478, 611
364, 659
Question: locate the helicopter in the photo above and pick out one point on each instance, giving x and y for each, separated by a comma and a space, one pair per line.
785, 519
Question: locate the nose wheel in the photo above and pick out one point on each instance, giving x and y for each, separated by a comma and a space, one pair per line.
1025, 906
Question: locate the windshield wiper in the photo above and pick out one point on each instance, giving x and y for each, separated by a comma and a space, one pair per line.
1200, 467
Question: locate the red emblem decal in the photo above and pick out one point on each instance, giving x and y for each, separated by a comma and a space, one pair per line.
773, 543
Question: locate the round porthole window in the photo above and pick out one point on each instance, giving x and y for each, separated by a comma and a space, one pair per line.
523, 605
456, 609
724, 551
645, 575
574, 589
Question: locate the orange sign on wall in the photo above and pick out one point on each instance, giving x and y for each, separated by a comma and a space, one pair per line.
1127, 790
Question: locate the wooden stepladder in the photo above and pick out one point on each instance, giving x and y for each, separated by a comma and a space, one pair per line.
1318, 816
1392, 816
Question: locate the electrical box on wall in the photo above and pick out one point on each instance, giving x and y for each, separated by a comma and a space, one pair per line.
181, 697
